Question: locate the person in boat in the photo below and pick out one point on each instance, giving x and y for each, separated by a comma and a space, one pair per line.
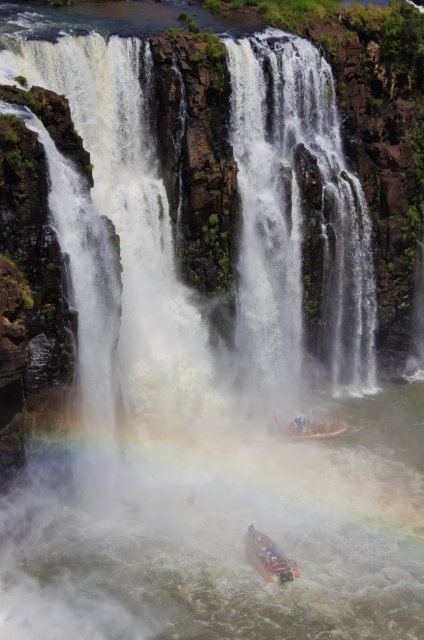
251, 531
274, 553
300, 423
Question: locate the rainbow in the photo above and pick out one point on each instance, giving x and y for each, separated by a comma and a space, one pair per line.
335, 486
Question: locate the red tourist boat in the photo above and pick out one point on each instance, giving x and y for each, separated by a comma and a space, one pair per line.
265, 557
300, 429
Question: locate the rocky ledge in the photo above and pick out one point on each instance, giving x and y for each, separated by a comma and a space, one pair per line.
37, 326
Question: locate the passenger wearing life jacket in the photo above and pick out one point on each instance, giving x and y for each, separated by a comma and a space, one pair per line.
274, 555
300, 423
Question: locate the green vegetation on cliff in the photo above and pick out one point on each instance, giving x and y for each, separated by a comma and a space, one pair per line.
12, 160
399, 30
284, 13
416, 209
213, 49
10, 273
210, 48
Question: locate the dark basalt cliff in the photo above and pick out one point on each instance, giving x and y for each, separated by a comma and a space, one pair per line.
381, 110
199, 166
382, 116
36, 332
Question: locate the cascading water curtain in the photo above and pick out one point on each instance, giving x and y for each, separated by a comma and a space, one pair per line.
95, 293
415, 364
163, 357
269, 332
283, 96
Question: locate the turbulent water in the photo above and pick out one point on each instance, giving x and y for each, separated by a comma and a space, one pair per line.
283, 80
167, 562
160, 553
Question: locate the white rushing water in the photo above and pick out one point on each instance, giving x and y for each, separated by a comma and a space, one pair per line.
95, 290
168, 561
163, 354
416, 6
302, 111
163, 349
270, 304
415, 364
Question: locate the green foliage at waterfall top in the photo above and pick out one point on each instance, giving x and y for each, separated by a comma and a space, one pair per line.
398, 28
212, 50
215, 6
21, 80
284, 13
399, 31
208, 47
191, 24
62, 3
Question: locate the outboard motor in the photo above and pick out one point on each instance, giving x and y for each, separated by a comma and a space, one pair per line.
286, 575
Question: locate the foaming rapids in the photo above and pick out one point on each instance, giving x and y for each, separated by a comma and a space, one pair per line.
170, 562
283, 99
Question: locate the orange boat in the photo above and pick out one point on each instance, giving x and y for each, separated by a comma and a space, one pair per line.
314, 429
265, 557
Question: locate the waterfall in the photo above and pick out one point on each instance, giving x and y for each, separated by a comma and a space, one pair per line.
283, 96
415, 363
178, 144
269, 331
163, 360
95, 287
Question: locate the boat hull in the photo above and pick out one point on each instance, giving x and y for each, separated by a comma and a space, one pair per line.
322, 431
282, 570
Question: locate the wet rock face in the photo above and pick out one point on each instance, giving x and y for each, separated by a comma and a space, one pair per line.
53, 111
36, 339
199, 166
379, 130
378, 115
311, 187
379, 112
13, 307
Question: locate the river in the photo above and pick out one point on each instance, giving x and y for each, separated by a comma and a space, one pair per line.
122, 18
163, 556
151, 545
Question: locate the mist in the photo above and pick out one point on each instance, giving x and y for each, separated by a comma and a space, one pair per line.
128, 521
